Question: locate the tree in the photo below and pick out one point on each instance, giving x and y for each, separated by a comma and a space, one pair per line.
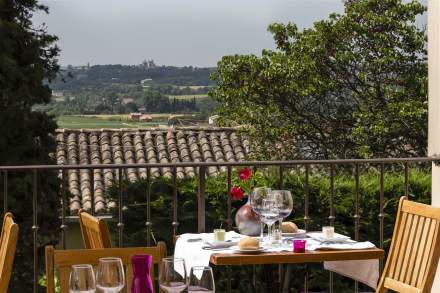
354, 85
27, 61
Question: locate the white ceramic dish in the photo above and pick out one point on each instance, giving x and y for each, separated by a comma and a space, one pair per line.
300, 234
249, 251
320, 237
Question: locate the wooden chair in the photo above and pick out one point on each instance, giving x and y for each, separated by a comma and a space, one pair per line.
8, 244
415, 249
94, 231
62, 260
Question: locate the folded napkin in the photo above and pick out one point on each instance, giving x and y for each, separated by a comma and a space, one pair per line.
219, 245
347, 244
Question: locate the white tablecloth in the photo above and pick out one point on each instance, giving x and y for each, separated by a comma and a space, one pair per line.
365, 271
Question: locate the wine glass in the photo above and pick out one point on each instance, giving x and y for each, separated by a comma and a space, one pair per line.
269, 215
110, 275
172, 275
201, 279
284, 202
82, 279
256, 202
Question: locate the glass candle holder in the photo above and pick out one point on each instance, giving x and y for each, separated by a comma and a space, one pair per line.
219, 235
328, 232
299, 246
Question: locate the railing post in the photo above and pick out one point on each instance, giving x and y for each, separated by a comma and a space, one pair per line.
63, 226
406, 179
201, 200
306, 221
281, 177
306, 198
332, 215
92, 192
175, 221
120, 216
148, 223
35, 225
5, 191
356, 215
381, 213
229, 216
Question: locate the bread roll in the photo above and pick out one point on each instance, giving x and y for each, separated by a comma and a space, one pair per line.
289, 227
249, 243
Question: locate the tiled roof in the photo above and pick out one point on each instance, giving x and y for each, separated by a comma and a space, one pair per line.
153, 145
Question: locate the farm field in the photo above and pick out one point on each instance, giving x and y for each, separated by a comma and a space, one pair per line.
114, 121
188, 97
78, 122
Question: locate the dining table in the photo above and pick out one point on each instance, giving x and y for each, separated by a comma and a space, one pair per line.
196, 251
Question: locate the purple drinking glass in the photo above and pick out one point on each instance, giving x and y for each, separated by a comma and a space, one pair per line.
141, 265
299, 246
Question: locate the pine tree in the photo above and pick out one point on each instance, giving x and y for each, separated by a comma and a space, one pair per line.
27, 63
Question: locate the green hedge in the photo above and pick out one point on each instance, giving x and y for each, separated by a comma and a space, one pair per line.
294, 180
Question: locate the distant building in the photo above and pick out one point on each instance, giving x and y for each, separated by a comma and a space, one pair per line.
146, 82
146, 117
127, 100
148, 64
135, 116
213, 120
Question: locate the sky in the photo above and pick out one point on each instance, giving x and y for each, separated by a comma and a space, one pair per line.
172, 32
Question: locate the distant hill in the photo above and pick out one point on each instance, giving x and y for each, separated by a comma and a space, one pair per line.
76, 78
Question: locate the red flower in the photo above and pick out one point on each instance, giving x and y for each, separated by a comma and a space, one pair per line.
245, 173
237, 193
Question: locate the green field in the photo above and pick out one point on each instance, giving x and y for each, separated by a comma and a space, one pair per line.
78, 122
187, 97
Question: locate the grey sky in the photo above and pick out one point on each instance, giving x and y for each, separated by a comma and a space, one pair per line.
172, 32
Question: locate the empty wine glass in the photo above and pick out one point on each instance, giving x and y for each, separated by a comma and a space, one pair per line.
172, 275
82, 279
284, 203
269, 215
201, 279
110, 276
256, 201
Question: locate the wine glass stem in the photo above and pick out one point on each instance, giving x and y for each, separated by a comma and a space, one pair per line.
262, 231
269, 233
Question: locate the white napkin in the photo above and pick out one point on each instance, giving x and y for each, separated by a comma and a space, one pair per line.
193, 252
365, 271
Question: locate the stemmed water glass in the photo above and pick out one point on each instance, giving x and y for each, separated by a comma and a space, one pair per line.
82, 279
269, 215
284, 202
172, 275
256, 201
110, 276
201, 279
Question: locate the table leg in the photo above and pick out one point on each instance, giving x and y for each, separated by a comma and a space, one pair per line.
286, 282
229, 285
254, 277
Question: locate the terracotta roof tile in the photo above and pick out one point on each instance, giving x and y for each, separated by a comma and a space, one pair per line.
155, 145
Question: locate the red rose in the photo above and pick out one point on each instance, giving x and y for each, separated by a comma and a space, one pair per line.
245, 173
237, 193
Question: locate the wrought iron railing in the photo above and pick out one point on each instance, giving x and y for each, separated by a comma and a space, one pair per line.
201, 175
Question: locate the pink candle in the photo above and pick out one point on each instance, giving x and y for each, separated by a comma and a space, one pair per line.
299, 246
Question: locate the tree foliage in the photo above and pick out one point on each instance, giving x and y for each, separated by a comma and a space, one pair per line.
353, 85
27, 59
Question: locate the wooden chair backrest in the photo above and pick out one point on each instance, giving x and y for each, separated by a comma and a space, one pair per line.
62, 260
8, 244
415, 249
94, 231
